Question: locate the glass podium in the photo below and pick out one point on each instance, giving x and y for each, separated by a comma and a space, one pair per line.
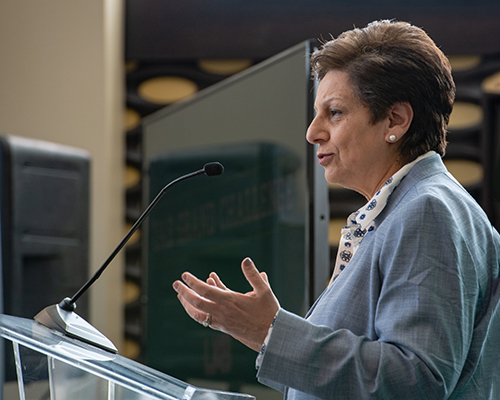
68, 368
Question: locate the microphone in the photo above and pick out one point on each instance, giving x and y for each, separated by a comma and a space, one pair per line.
213, 168
62, 317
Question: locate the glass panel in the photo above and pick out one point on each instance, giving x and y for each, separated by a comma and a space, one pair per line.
254, 123
123, 393
78, 370
68, 382
251, 210
33, 380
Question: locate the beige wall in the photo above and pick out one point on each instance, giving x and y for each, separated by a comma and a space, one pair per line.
61, 80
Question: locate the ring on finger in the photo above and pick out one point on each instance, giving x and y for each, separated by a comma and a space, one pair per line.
208, 321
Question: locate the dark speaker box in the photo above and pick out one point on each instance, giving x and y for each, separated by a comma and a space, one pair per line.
44, 217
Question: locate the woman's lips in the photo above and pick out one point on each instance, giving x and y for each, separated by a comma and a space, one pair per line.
324, 158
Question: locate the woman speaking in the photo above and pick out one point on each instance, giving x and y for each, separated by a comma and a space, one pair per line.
412, 310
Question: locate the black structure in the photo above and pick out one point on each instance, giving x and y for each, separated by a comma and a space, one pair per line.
44, 201
172, 30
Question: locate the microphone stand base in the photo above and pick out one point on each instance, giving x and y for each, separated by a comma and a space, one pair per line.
71, 324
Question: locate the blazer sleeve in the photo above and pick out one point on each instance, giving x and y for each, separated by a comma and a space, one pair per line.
423, 315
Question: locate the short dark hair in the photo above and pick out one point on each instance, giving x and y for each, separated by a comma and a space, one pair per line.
389, 62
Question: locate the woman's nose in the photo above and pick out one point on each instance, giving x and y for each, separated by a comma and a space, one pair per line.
316, 132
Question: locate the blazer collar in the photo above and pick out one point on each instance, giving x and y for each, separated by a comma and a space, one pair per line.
424, 169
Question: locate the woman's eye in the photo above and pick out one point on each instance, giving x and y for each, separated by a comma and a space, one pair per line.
334, 112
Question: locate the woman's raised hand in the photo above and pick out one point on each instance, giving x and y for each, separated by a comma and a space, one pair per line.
244, 316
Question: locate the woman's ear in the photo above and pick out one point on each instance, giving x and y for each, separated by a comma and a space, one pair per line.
400, 117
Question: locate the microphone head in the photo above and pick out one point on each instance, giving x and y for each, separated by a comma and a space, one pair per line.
213, 168
67, 304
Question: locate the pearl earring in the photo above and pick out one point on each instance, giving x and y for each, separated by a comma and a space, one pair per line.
392, 138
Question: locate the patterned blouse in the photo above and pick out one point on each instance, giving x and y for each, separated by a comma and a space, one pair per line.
363, 220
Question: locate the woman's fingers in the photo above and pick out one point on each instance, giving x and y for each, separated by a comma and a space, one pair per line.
265, 277
215, 278
191, 297
253, 276
211, 282
192, 311
200, 298
203, 289
193, 307
245, 316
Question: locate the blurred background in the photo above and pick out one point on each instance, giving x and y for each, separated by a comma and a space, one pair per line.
88, 74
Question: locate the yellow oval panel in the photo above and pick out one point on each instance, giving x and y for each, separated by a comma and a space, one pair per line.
465, 115
465, 171
132, 119
132, 177
224, 67
464, 62
131, 349
132, 292
167, 89
335, 186
492, 84
135, 237
335, 229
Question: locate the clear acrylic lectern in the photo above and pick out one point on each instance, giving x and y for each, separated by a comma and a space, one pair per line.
72, 369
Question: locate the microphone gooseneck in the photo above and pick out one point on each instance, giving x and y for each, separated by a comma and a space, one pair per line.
209, 169
62, 317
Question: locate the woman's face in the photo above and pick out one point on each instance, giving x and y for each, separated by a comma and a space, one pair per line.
354, 152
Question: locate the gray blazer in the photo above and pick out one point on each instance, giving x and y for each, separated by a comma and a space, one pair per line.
416, 313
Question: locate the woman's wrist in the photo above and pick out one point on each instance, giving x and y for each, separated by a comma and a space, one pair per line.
263, 348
